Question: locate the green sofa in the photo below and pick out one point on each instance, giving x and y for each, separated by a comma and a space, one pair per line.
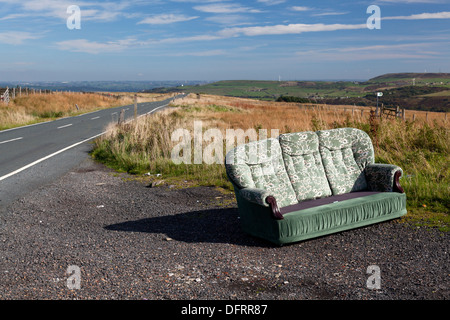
309, 184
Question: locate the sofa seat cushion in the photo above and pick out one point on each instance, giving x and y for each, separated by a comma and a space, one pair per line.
259, 165
338, 213
326, 201
304, 165
345, 153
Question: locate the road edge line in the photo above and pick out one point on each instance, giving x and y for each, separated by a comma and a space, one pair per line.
48, 157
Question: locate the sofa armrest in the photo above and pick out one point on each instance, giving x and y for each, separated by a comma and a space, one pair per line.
263, 198
254, 195
274, 207
384, 177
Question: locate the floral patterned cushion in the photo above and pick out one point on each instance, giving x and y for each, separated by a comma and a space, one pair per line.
304, 165
307, 165
259, 165
345, 153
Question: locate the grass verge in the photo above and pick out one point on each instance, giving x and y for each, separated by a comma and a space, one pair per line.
34, 108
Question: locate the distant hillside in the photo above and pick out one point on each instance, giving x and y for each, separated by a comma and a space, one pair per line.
418, 91
411, 76
415, 91
99, 86
423, 98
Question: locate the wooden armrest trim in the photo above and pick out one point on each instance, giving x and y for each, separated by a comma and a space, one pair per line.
274, 207
397, 186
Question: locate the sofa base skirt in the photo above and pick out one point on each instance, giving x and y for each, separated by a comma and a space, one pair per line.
320, 220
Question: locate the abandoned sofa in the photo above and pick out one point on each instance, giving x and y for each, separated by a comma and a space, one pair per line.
309, 184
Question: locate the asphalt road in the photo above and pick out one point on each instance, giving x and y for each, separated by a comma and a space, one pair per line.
34, 155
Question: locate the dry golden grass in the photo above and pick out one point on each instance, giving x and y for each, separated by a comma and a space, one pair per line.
286, 117
32, 108
141, 144
10, 117
141, 96
152, 134
65, 102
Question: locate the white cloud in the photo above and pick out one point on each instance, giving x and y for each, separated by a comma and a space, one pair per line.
421, 16
288, 29
190, 39
229, 19
93, 47
166, 19
91, 10
299, 8
207, 53
329, 13
13, 16
375, 52
224, 8
271, 2
17, 37
413, 1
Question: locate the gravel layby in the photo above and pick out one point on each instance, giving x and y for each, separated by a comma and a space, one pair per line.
133, 242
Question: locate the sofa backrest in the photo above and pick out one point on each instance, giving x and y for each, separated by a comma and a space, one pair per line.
304, 165
301, 166
345, 153
259, 164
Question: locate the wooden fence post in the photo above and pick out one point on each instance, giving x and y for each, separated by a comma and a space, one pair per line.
135, 106
122, 116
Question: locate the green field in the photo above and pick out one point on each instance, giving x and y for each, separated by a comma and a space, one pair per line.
427, 91
271, 90
439, 94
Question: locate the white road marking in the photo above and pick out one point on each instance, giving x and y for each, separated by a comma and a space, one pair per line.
157, 108
95, 118
11, 140
67, 125
48, 157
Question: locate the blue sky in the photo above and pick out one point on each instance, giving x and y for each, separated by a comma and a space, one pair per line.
221, 39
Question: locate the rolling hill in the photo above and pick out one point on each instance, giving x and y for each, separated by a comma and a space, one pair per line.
416, 91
